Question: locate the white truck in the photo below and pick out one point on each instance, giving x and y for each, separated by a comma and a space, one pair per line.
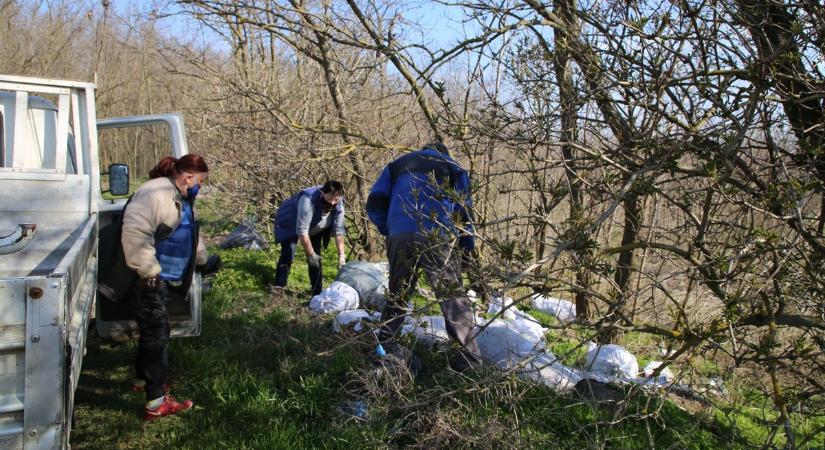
52, 206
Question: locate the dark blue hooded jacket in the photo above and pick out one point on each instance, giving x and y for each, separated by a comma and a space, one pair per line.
422, 191
286, 218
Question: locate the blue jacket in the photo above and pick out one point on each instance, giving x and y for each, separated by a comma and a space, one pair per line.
422, 191
176, 252
286, 218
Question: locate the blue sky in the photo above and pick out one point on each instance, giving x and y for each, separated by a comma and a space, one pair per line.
441, 25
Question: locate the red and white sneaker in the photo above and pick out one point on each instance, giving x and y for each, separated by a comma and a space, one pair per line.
169, 407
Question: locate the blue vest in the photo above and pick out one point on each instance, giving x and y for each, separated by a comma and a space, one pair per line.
286, 218
174, 253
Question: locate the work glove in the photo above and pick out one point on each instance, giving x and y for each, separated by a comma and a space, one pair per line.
342, 259
149, 284
212, 265
314, 261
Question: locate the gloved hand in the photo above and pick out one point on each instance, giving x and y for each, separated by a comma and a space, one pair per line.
212, 265
314, 261
342, 259
150, 284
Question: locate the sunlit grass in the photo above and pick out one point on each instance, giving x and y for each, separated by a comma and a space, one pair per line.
267, 374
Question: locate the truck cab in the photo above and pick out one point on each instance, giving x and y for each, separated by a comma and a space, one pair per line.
52, 206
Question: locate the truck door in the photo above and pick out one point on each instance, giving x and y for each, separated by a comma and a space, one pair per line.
140, 142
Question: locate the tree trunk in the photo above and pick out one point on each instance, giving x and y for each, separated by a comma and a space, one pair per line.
569, 134
624, 268
365, 238
771, 27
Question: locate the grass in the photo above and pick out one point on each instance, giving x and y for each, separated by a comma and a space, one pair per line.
266, 374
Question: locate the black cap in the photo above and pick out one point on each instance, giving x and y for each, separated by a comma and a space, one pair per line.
438, 146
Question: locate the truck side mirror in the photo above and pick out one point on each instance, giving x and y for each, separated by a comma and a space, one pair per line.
119, 179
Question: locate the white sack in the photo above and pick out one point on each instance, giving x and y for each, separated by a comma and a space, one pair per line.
665, 376
549, 371
428, 329
556, 307
611, 360
502, 344
519, 345
528, 326
508, 344
353, 318
337, 297
498, 303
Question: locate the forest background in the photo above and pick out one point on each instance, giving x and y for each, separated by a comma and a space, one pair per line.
659, 163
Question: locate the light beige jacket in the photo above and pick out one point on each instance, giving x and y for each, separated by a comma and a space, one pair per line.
155, 203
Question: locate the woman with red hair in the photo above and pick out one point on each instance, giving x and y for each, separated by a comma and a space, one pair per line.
162, 244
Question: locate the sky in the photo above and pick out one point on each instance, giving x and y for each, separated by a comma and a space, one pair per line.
439, 24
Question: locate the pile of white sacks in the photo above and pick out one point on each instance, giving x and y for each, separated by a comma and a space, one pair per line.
511, 340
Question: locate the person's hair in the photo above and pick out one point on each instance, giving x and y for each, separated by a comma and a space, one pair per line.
439, 147
171, 166
333, 187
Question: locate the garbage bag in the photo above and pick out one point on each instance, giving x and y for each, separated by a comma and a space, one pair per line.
546, 369
245, 235
664, 377
427, 329
503, 344
354, 318
335, 298
499, 303
508, 344
528, 326
611, 360
556, 307
520, 345
369, 279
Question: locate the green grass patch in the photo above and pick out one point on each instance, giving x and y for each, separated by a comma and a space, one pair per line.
267, 374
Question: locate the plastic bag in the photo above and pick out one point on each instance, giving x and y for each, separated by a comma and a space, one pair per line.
528, 325
502, 344
337, 297
519, 345
612, 361
665, 376
498, 304
353, 318
427, 329
370, 280
544, 368
508, 344
556, 307
245, 235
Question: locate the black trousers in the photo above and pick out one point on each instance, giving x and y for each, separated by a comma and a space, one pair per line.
152, 364
288, 254
441, 263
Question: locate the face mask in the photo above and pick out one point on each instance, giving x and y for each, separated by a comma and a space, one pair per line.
192, 192
327, 205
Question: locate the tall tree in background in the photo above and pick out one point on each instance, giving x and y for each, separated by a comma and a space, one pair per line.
630, 155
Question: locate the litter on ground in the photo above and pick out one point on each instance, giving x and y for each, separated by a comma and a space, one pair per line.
370, 281
501, 306
512, 340
556, 307
335, 298
353, 319
245, 235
